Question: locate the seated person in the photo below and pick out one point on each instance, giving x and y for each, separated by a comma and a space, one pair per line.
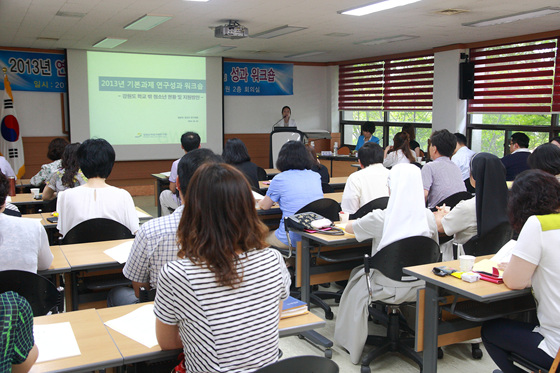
68, 176
236, 154
321, 169
414, 145
546, 157
462, 158
54, 153
367, 184
96, 198
156, 241
6, 168
406, 216
293, 188
11, 210
368, 128
441, 178
516, 161
533, 209
400, 151
24, 244
169, 199
220, 301
484, 212
19, 351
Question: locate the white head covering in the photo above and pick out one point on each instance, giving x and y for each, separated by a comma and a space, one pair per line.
405, 215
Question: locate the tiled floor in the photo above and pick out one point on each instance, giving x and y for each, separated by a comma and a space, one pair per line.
457, 358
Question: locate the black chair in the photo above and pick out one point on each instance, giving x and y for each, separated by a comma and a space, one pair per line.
49, 206
390, 261
261, 174
98, 229
301, 364
378, 203
454, 199
327, 188
489, 243
12, 213
43, 296
145, 295
532, 367
326, 207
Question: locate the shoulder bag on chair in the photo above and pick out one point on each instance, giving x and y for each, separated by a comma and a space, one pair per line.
312, 222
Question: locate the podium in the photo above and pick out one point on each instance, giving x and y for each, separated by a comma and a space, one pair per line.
278, 137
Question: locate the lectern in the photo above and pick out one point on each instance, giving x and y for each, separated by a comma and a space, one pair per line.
278, 137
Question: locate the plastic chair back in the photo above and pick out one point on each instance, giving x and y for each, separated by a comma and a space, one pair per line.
98, 229
454, 199
261, 174
301, 364
378, 203
491, 242
407, 252
42, 295
145, 295
326, 207
327, 188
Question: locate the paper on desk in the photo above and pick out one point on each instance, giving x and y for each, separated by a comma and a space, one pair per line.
166, 173
36, 219
257, 196
139, 325
486, 265
142, 215
55, 341
8, 199
120, 252
504, 254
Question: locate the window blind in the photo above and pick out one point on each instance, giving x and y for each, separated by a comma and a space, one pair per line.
516, 78
394, 84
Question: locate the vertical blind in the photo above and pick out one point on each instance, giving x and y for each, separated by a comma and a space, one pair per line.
516, 78
394, 84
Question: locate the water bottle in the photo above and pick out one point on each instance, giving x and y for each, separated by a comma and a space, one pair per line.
335, 150
313, 144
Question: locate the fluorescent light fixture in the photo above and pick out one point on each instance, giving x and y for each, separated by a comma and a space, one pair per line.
390, 39
216, 49
376, 7
282, 30
514, 17
109, 43
147, 22
304, 54
201, 1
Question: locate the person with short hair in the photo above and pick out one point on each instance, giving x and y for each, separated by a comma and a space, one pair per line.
220, 301
516, 161
367, 130
54, 153
17, 345
236, 154
287, 117
67, 176
170, 199
546, 157
399, 152
534, 208
555, 141
441, 178
368, 183
24, 244
156, 241
96, 198
462, 158
293, 188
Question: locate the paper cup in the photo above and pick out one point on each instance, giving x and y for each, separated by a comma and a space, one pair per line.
34, 191
466, 263
343, 217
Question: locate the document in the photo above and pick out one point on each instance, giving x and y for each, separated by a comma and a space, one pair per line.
142, 215
166, 173
120, 252
139, 325
55, 341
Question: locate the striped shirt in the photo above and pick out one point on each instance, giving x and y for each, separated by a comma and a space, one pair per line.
225, 329
16, 339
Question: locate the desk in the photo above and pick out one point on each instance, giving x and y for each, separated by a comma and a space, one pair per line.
161, 183
96, 346
59, 263
480, 291
338, 165
134, 352
271, 172
25, 200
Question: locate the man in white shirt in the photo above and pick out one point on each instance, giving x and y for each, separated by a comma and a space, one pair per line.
462, 158
367, 184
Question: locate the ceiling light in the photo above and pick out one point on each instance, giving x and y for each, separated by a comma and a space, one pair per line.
147, 22
70, 14
109, 43
216, 49
202, 1
514, 17
283, 30
304, 54
390, 39
376, 7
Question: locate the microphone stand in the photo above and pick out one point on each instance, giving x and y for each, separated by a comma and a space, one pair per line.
274, 125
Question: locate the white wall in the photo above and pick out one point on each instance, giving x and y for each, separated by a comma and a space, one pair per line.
38, 113
310, 104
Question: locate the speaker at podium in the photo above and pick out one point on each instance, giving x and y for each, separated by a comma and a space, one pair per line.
278, 137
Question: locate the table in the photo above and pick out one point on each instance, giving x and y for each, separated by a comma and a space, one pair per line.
271, 172
96, 346
480, 291
338, 165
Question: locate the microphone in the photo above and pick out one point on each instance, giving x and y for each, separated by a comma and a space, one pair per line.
274, 125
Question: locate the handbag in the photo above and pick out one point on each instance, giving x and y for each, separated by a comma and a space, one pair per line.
313, 222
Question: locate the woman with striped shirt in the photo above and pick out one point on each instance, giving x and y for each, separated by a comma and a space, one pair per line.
220, 301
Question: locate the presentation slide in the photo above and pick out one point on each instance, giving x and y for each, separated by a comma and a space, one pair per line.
145, 99
143, 103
